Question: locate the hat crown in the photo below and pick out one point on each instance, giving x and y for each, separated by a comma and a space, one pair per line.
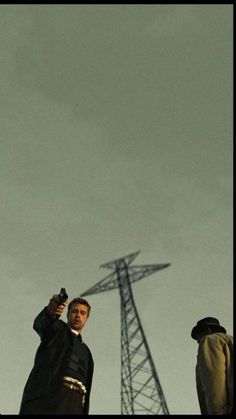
208, 321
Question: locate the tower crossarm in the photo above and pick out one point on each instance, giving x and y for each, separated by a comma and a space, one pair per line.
139, 272
106, 284
125, 261
136, 273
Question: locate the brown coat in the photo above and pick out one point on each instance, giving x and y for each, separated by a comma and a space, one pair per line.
214, 374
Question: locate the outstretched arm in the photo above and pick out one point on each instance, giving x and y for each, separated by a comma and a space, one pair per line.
47, 323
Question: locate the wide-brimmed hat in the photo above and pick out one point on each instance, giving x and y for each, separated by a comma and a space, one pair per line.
207, 322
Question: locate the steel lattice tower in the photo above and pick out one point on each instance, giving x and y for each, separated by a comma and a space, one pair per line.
141, 391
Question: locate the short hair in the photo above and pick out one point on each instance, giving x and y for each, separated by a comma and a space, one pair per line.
79, 300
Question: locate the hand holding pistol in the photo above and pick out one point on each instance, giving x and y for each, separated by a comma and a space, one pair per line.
57, 303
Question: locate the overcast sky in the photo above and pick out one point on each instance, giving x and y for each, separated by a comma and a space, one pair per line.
116, 136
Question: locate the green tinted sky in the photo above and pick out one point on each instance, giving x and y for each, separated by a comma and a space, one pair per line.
116, 135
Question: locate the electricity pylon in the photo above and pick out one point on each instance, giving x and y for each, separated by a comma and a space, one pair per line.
141, 391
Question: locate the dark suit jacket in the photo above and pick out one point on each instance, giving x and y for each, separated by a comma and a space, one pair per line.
49, 364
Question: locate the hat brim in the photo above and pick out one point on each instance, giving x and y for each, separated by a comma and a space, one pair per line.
197, 329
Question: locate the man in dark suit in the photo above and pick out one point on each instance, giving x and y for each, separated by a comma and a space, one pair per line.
61, 378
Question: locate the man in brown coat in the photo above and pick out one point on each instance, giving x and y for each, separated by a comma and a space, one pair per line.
214, 369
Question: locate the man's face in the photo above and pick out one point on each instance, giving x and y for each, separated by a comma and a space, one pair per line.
77, 316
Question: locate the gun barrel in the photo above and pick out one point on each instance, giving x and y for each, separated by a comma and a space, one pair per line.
63, 295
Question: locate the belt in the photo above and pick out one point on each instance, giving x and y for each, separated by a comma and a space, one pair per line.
74, 384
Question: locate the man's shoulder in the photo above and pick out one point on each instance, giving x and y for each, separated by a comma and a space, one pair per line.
219, 337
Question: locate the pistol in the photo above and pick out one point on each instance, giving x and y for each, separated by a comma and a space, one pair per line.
63, 295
